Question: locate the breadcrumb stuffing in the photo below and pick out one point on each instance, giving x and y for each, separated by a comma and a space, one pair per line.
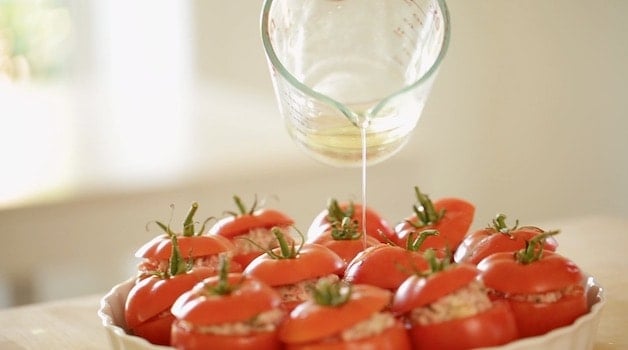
541, 298
465, 302
264, 322
372, 326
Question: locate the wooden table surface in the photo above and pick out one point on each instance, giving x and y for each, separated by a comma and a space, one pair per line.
597, 244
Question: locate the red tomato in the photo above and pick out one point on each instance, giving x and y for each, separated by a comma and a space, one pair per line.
544, 289
386, 265
509, 241
335, 212
318, 324
498, 238
472, 238
418, 291
494, 325
147, 307
204, 313
288, 266
344, 239
451, 217
183, 339
241, 224
202, 250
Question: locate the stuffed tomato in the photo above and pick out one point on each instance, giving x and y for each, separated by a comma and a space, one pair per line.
388, 265
544, 289
196, 247
341, 316
369, 221
249, 230
449, 309
451, 217
498, 238
147, 306
230, 311
345, 240
293, 271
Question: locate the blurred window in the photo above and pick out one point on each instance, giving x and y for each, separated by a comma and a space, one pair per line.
93, 95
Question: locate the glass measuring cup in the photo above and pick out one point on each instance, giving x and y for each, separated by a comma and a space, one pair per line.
346, 68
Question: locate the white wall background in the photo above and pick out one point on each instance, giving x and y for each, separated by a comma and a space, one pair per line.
527, 117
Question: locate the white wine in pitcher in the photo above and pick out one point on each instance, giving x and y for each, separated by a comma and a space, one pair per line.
339, 66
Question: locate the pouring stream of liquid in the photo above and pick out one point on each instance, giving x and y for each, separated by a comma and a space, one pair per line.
363, 128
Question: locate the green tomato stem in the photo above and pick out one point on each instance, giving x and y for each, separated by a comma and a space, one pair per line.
346, 230
223, 287
177, 264
242, 208
331, 294
435, 264
287, 251
188, 224
417, 238
166, 228
499, 224
425, 212
336, 214
533, 250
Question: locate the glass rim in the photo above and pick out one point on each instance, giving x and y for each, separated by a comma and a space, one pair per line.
285, 73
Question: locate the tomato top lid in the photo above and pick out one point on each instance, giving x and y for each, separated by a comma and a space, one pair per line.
334, 308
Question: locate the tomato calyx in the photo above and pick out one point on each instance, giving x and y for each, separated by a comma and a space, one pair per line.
242, 210
425, 212
416, 239
285, 250
345, 230
499, 224
436, 264
336, 214
223, 287
332, 294
533, 250
188, 224
177, 265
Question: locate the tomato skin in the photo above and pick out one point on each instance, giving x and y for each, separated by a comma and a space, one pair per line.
147, 307
501, 272
539, 318
313, 260
469, 242
417, 291
376, 226
155, 330
160, 247
394, 338
384, 265
347, 249
493, 327
452, 227
232, 226
182, 339
500, 242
